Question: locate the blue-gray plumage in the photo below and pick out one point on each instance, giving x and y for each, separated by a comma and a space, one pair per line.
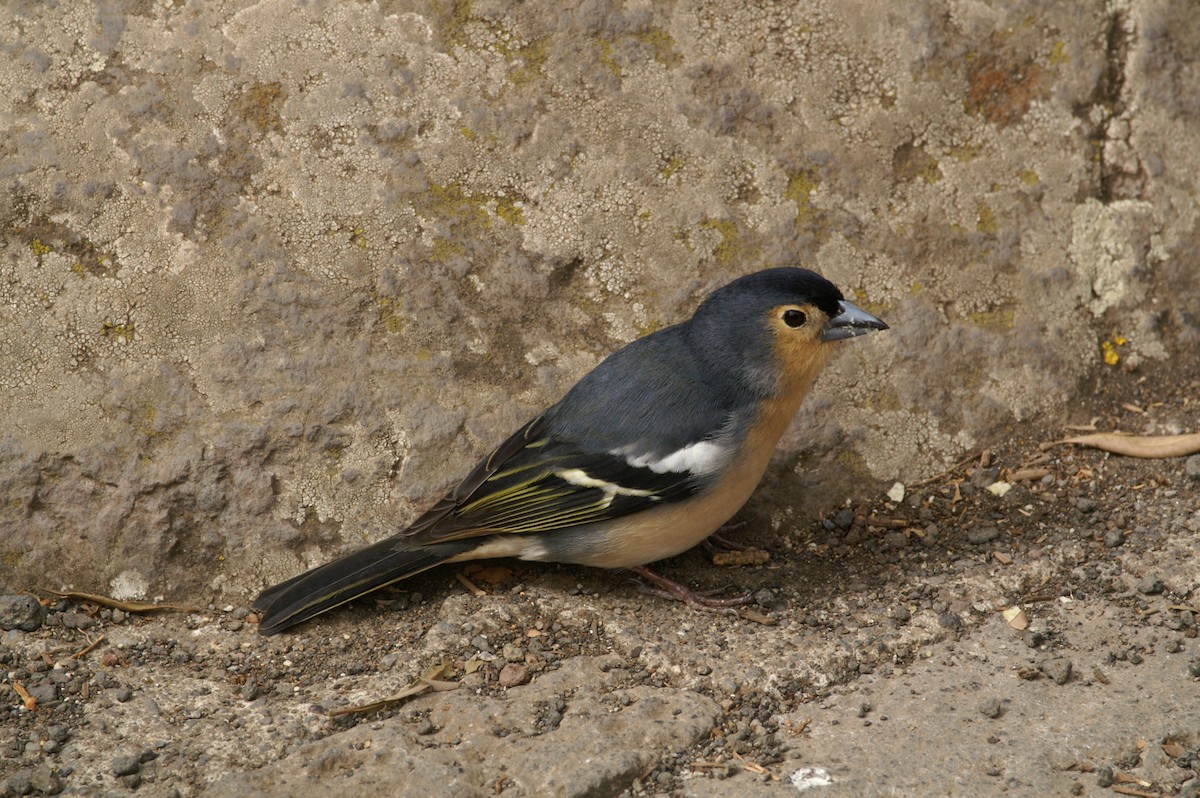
647, 455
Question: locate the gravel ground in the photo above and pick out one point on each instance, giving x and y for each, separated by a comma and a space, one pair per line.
877, 661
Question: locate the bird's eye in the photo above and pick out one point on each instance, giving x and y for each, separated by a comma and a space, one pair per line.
794, 318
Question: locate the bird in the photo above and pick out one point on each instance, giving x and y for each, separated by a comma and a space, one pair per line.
646, 456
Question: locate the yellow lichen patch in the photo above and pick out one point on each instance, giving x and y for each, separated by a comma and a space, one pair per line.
444, 249
911, 162
260, 105
532, 58
997, 319
39, 248
391, 314
453, 27
730, 248
511, 212
800, 187
965, 153
663, 46
1058, 54
671, 166
883, 401
450, 203
144, 422
986, 221
852, 464
606, 57
683, 237
1028, 177
119, 330
1109, 349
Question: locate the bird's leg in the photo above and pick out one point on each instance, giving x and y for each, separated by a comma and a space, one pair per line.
670, 589
717, 543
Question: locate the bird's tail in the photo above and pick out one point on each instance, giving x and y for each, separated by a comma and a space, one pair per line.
334, 583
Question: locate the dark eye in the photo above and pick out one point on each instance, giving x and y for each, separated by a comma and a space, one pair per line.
794, 318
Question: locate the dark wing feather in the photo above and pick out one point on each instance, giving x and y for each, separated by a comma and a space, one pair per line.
535, 483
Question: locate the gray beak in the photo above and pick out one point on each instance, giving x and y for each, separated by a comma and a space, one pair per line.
849, 322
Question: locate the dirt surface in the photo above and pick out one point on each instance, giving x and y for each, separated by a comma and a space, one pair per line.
878, 658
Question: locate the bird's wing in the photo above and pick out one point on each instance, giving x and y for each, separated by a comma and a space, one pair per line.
535, 482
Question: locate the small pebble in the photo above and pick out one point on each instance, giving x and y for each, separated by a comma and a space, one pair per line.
125, 765
991, 708
19, 783
1191, 466
1113, 538
1105, 777
949, 620
22, 612
513, 675
983, 477
78, 620
1085, 505
45, 781
1057, 669
982, 534
1150, 586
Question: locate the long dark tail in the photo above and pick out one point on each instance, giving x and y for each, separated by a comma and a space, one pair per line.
334, 583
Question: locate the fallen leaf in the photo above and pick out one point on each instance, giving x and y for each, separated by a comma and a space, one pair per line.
757, 617
426, 682
117, 604
495, 574
31, 703
1173, 749
1028, 474
750, 556
1146, 446
1002, 558
474, 589
1016, 618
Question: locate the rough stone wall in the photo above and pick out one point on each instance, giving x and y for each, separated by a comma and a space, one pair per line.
273, 276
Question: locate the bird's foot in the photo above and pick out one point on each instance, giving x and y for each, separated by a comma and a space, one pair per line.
703, 600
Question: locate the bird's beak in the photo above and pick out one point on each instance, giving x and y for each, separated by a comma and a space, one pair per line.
849, 322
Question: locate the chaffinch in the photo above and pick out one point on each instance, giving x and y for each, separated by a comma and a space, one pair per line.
646, 456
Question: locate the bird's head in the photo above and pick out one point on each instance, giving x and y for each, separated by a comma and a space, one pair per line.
772, 329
